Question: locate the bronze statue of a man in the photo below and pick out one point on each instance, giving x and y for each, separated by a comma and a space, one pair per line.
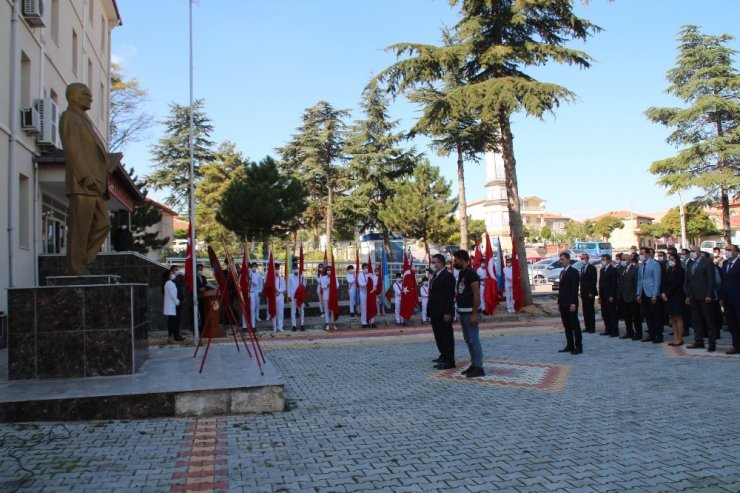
88, 165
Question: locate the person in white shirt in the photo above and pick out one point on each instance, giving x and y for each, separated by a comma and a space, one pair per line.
328, 313
482, 274
509, 286
319, 274
277, 320
294, 281
397, 291
362, 279
255, 291
171, 302
352, 290
424, 295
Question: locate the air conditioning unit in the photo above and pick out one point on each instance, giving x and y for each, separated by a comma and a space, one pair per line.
33, 12
49, 117
31, 121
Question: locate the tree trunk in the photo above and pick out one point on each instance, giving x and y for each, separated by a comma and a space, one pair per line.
723, 195
387, 245
512, 192
426, 249
265, 246
329, 216
463, 204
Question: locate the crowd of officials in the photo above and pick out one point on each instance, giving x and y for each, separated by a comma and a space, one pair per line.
686, 290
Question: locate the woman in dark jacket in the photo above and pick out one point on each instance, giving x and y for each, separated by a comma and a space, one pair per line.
673, 296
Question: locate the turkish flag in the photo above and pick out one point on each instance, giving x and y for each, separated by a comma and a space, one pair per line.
301, 295
408, 290
477, 257
333, 292
269, 288
372, 300
516, 279
244, 280
491, 291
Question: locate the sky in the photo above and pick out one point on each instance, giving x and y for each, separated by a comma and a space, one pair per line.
259, 64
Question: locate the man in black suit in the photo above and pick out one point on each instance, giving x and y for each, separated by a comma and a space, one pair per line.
588, 294
629, 306
568, 306
699, 290
608, 279
440, 308
730, 294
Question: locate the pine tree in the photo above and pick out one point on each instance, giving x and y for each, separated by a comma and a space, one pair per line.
143, 216
171, 155
706, 131
495, 41
421, 207
261, 203
315, 156
227, 165
376, 162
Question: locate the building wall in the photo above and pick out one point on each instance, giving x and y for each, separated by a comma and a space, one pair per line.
47, 58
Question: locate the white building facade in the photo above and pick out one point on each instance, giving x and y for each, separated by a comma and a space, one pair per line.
44, 46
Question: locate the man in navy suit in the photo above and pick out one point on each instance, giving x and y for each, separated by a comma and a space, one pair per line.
608, 279
588, 294
730, 294
699, 287
648, 290
568, 306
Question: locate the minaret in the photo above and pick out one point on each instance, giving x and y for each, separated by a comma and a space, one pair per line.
495, 178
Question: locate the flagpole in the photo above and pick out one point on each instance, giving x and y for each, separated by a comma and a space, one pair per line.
196, 331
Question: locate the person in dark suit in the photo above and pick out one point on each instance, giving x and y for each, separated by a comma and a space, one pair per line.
699, 292
568, 306
588, 294
608, 279
673, 296
440, 308
730, 294
628, 299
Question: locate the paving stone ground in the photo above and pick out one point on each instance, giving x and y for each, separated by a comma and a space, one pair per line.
367, 415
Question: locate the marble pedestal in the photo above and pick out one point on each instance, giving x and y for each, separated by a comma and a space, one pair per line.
77, 331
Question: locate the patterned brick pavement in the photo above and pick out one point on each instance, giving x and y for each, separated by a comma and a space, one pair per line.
373, 417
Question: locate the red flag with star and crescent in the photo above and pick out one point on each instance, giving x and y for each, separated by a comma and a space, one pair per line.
333, 291
516, 281
372, 301
244, 281
491, 292
409, 297
269, 287
478, 257
301, 295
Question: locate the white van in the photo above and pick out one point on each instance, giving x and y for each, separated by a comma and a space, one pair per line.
709, 245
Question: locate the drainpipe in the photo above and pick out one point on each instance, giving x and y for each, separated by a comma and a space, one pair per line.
13, 192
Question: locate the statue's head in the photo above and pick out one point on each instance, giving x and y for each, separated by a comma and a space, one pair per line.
78, 94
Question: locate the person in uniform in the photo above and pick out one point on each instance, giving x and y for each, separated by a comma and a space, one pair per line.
351, 276
362, 279
424, 295
255, 291
294, 281
328, 313
280, 288
482, 275
397, 292
509, 286
319, 290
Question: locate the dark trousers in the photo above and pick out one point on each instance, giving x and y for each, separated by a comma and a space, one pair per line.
589, 313
611, 321
653, 317
173, 328
444, 338
702, 316
572, 327
732, 314
632, 321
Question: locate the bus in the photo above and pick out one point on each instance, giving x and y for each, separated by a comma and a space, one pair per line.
594, 248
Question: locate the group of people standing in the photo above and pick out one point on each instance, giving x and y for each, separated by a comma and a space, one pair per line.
687, 289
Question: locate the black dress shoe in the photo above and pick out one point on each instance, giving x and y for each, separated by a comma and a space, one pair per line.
658, 340
604, 334
627, 336
636, 338
437, 360
711, 349
467, 370
647, 339
577, 350
733, 351
695, 346
444, 366
293, 329
373, 326
363, 326
613, 335
303, 329
475, 371
566, 349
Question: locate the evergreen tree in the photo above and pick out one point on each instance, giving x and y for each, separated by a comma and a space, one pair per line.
421, 207
376, 162
145, 215
171, 155
495, 42
227, 165
262, 202
706, 131
127, 120
316, 157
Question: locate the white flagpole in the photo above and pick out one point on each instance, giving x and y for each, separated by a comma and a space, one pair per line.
196, 331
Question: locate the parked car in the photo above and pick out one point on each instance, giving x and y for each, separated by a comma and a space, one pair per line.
709, 245
542, 270
554, 278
